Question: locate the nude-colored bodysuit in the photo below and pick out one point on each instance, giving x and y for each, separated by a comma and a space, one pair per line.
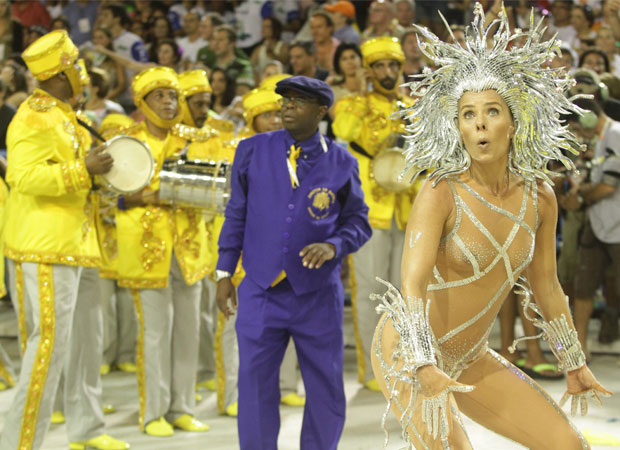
478, 263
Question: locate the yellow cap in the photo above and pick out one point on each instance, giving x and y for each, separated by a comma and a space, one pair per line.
51, 54
113, 124
383, 47
147, 81
193, 82
258, 101
150, 79
270, 82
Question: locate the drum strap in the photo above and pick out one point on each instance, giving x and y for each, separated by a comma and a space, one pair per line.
359, 149
91, 129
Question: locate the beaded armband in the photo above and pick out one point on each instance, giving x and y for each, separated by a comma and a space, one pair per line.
410, 320
561, 336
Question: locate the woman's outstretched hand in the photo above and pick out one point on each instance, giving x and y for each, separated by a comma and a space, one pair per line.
435, 387
581, 386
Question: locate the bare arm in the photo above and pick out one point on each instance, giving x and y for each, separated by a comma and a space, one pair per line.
131, 64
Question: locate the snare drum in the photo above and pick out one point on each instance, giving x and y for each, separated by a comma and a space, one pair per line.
195, 184
386, 168
133, 165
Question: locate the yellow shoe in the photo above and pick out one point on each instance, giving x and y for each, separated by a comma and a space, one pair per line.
232, 410
58, 417
104, 369
599, 438
109, 409
189, 423
208, 384
103, 442
373, 385
159, 427
198, 397
3, 386
128, 367
293, 399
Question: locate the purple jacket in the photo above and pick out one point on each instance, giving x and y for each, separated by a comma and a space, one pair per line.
271, 222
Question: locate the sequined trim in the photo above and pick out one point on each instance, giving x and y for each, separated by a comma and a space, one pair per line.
187, 244
41, 103
75, 169
51, 258
155, 248
140, 363
141, 283
359, 346
193, 133
6, 375
42, 359
21, 313
220, 366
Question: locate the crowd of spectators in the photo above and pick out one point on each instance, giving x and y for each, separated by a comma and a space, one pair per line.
241, 42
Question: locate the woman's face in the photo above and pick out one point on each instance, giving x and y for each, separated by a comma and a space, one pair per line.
165, 55
100, 38
485, 125
218, 83
595, 63
605, 41
160, 29
410, 46
267, 121
267, 29
578, 20
7, 75
349, 62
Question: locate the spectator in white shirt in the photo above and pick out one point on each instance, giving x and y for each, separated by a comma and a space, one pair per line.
192, 42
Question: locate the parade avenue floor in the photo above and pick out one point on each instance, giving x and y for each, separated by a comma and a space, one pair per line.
364, 408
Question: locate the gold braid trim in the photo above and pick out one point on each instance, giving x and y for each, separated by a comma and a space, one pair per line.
359, 347
43, 357
140, 363
21, 313
141, 283
186, 243
77, 167
220, 367
51, 258
6, 375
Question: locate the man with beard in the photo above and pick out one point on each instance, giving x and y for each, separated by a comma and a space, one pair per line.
366, 122
296, 210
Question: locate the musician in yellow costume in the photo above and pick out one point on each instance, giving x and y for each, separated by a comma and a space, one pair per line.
48, 229
162, 256
364, 122
119, 316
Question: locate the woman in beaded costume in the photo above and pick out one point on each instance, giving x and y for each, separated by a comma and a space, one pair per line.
487, 121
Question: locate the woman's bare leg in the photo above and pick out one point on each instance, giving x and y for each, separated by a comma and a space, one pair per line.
508, 402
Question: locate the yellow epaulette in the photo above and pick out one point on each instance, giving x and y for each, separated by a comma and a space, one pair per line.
41, 103
221, 125
194, 134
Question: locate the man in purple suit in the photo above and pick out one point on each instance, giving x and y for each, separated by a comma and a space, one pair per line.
296, 210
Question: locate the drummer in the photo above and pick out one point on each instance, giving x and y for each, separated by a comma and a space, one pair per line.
365, 121
47, 229
207, 144
162, 256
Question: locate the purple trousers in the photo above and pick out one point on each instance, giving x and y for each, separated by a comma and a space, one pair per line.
266, 320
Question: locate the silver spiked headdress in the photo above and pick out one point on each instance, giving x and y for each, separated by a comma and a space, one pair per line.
534, 94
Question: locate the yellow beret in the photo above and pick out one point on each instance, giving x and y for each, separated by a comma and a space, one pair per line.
193, 82
114, 124
150, 79
270, 82
258, 101
383, 47
51, 54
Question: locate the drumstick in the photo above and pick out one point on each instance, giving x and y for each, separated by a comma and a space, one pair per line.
92, 130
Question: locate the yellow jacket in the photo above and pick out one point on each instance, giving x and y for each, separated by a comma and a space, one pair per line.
146, 236
49, 218
365, 119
